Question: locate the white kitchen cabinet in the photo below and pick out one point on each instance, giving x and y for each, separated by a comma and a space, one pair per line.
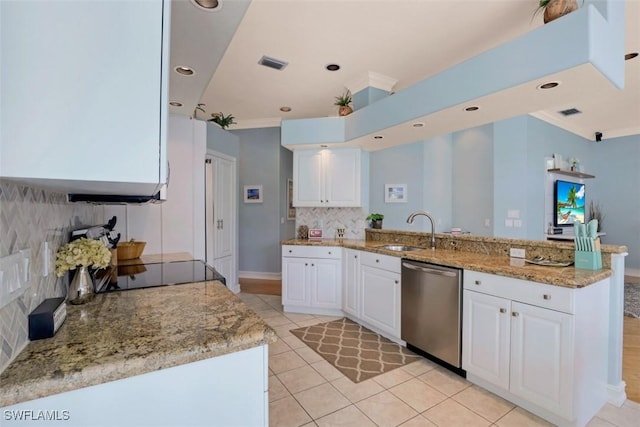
327, 177
380, 293
312, 279
521, 340
84, 95
351, 283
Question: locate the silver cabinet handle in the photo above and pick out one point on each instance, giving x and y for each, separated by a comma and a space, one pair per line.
377, 260
429, 270
329, 252
222, 224
306, 264
478, 282
503, 310
355, 256
290, 251
546, 296
396, 281
515, 314
313, 265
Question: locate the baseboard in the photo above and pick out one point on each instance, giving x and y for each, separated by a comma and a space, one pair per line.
260, 275
635, 272
616, 394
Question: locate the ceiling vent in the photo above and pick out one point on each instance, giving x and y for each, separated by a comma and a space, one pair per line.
570, 112
276, 64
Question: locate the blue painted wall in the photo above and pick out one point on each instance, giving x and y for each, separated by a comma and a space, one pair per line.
367, 96
259, 223
222, 141
438, 181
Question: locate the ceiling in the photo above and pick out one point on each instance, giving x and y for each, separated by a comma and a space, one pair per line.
405, 41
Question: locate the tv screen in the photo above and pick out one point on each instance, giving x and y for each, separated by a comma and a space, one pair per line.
570, 201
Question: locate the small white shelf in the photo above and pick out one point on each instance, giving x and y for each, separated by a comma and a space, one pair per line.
571, 173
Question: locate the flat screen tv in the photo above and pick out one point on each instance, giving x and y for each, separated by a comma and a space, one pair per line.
569, 203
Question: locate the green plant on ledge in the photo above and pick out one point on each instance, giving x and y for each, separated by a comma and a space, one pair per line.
344, 100
376, 220
222, 120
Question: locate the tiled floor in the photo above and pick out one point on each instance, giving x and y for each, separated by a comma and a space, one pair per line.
305, 390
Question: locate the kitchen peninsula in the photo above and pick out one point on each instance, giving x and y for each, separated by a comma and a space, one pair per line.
188, 354
546, 338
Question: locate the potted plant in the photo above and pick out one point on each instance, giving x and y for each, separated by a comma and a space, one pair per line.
222, 120
343, 102
554, 9
376, 220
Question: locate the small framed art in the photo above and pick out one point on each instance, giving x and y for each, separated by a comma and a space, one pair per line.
253, 194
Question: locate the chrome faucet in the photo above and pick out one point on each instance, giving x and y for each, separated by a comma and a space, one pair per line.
433, 231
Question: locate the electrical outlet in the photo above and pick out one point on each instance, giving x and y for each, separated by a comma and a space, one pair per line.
516, 253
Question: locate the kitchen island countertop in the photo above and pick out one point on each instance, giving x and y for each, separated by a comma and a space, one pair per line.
122, 334
477, 261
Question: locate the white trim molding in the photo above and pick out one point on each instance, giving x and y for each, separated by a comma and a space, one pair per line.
635, 272
371, 79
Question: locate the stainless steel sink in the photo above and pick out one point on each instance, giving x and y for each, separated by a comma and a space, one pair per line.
400, 248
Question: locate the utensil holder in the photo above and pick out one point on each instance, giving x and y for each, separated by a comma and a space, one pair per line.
588, 260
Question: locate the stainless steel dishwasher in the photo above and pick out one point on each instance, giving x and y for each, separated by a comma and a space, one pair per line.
431, 310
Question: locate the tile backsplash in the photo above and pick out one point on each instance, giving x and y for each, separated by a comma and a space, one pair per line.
352, 219
28, 217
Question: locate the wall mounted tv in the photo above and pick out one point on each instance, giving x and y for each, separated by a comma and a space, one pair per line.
569, 203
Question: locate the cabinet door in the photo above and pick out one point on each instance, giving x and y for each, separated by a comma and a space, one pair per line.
350, 283
380, 291
308, 178
542, 359
485, 337
224, 203
325, 283
295, 282
93, 75
342, 177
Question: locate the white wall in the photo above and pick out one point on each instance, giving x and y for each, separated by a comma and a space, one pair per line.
176, 225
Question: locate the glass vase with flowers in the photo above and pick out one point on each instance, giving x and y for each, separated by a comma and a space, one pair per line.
78, 256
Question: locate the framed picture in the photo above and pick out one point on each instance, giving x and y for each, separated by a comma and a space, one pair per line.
315, 233
291, 211
253, 194
395, 193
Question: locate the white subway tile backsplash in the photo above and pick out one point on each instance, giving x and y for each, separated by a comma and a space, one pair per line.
30, 216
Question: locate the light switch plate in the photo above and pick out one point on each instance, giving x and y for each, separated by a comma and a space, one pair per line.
516, 253
15, 276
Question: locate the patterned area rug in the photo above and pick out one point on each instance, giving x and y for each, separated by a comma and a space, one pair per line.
354, 350
632, 299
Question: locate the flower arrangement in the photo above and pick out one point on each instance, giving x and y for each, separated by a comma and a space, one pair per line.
82, 252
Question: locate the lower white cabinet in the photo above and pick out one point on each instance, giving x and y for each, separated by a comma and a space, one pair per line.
543, 347
379, 293
312, 279
351, 283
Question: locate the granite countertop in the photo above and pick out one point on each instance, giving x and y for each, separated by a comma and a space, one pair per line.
488, 263
122, 334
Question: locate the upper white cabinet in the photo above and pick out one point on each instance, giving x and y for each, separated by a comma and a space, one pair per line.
84, 94
327, 178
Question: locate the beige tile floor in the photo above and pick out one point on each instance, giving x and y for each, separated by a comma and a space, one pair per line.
305, 390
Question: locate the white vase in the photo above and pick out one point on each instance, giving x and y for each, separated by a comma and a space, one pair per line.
81, 287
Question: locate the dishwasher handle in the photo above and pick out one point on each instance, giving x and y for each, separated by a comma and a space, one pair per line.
429, 270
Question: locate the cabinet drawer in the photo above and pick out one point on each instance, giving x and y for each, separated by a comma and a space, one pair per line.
329, 252
539, 294
386, 262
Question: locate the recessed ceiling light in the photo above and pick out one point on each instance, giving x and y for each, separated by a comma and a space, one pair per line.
285, 109
631, 55
185, 71
208, 5
332, 67
175, 104
549, 85
418, 125
378, 137
472, 108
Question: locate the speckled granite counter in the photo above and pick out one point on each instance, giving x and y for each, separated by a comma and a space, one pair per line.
122, 334
485, 254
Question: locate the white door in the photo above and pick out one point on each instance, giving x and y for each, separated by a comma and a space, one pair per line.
220, 216
342, 177
308, 181
380, 291
351, 283
542, 359
295, 281
325, 283
485, 337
